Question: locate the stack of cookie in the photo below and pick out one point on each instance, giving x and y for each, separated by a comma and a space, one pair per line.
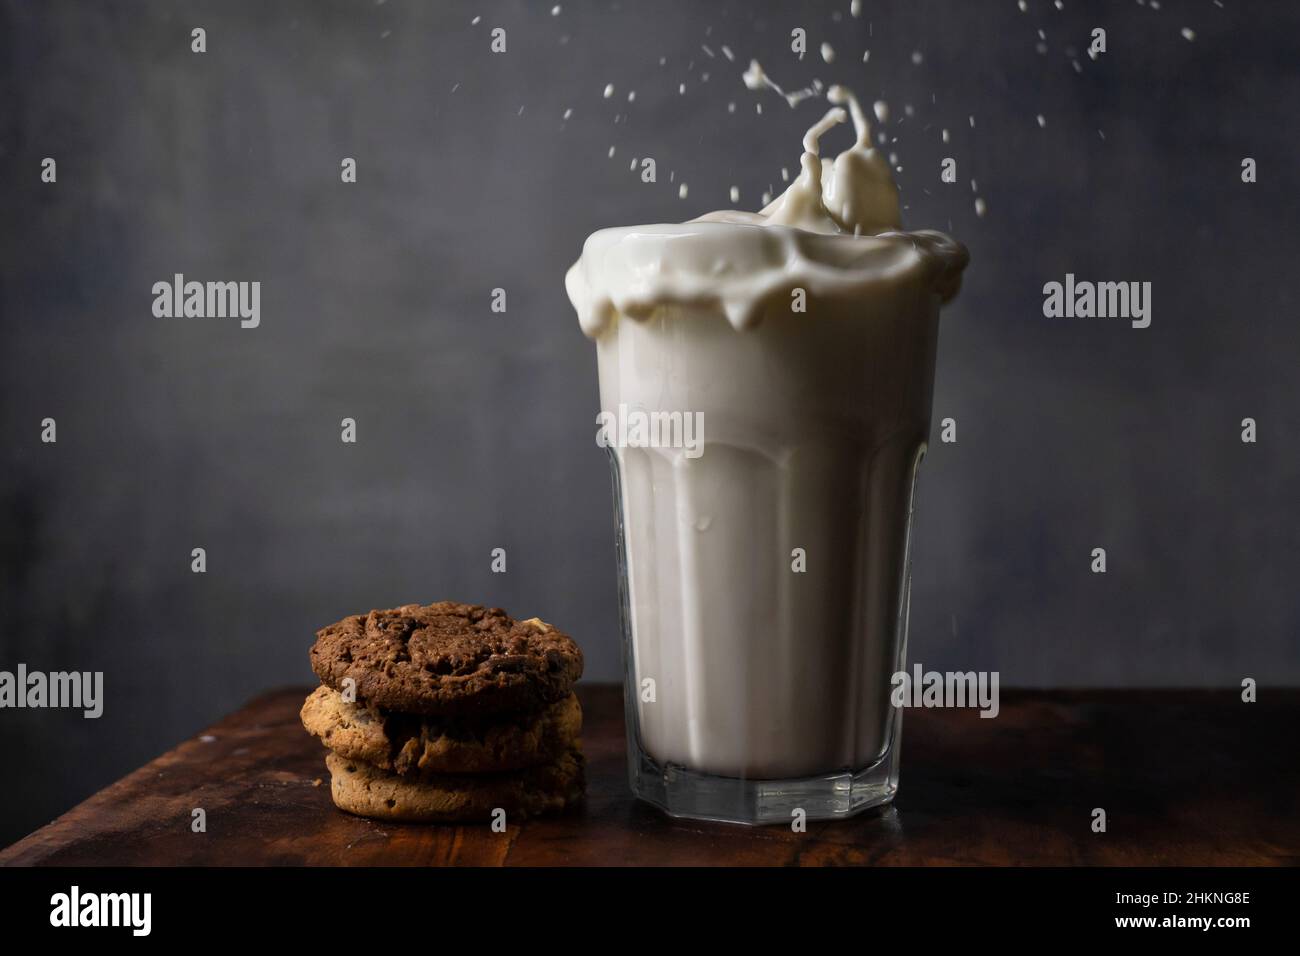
447, 712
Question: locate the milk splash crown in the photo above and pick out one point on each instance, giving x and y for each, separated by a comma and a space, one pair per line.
835, 231
855, 193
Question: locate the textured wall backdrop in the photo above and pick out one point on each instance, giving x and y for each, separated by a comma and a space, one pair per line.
476, 429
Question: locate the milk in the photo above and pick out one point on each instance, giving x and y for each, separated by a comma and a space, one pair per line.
765, 577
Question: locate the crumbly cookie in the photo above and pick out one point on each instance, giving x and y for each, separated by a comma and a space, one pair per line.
367, 791
415, 746
448, 659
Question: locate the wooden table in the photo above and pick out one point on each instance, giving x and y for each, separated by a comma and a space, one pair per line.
1186, 778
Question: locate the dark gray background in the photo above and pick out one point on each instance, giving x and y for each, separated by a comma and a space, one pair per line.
476, 429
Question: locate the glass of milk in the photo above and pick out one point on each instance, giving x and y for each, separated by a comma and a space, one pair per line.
765, 390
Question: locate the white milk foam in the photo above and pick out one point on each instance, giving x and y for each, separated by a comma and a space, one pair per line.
834, 232
813, 425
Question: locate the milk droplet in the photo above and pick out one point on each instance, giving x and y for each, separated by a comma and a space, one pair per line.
735, 194
609, 90
568, 113
866, 55
945, 136
855, 8
726, 51
681, 191
475, 21
631, 96
917, 58
828, 53
1189, 34
1022, 5
611, 152
980, 207
881, 109
731, 107
555, 10
1042, 120
681, 88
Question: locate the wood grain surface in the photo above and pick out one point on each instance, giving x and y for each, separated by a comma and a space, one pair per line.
1186, 778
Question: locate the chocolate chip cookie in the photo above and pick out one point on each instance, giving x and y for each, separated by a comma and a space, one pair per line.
359, 788
416, 746
448, 659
